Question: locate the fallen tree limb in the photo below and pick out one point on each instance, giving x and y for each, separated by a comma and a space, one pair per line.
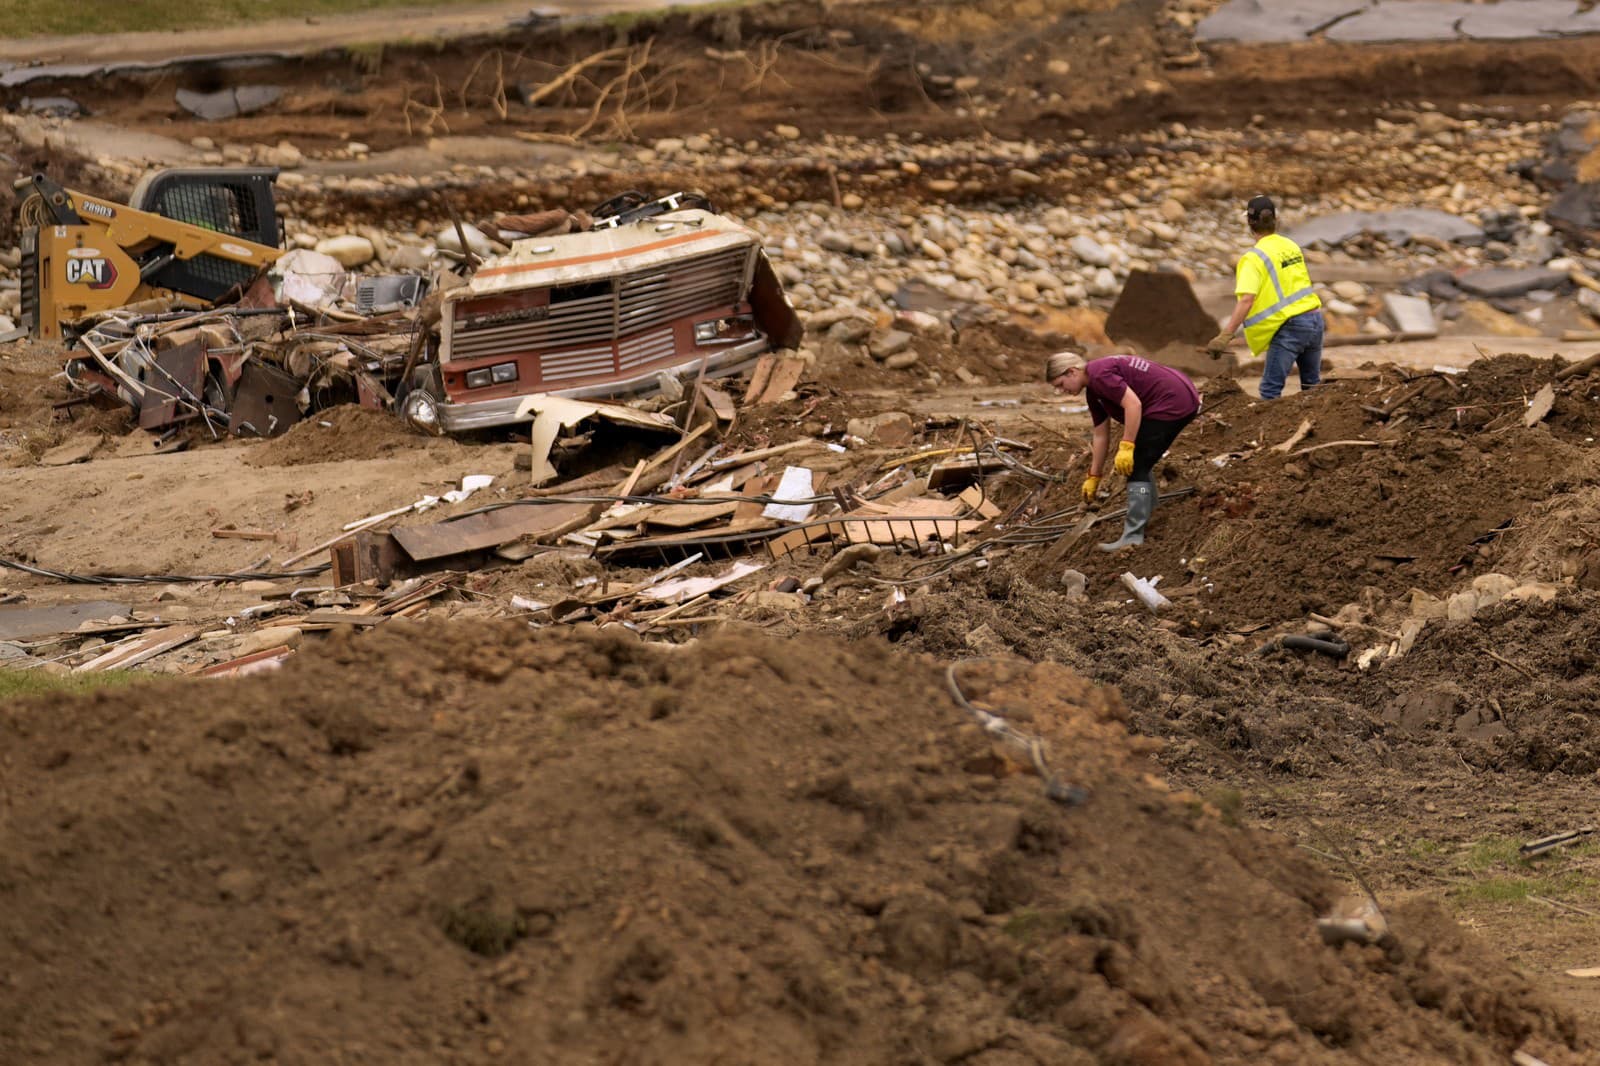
1582, 367
1342, 444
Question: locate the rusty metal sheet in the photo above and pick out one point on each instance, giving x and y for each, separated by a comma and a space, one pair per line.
492, 528
172, 389
264, 404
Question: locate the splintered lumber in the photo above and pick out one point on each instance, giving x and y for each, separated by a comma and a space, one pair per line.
663, 457
978, 502
490, 529
334, 617
762, 453
689, 588
781, 375
1580, 367
721, 403
1540, 406
133, 652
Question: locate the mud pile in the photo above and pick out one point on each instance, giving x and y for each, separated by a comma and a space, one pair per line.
340, 434
1397, 484
566, 847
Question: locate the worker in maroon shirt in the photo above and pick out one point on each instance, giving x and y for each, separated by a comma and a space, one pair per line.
1153, 403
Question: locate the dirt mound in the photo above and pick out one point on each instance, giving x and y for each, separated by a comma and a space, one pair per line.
338, 434
1417, 496
583, 848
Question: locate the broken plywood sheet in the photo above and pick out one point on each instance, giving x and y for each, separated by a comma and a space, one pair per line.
552, 414
773, 378
130, 653
490, 529
1540, 406
721, 403
687, 588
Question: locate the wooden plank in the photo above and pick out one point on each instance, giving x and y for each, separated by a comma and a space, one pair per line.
978, 502
663, 457
332, 617
490, 529
759, 378
758, 485
688, 516
785, 376
254, 663
244, 535
146, 647
763, 453
1540, 406
721, 403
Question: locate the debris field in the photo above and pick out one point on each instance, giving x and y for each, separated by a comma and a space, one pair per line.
612, 586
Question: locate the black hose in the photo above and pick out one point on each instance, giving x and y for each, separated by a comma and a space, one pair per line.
1332, 647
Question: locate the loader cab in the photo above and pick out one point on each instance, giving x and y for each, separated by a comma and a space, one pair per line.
236, 201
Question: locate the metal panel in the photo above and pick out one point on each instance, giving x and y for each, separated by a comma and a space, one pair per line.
641, 300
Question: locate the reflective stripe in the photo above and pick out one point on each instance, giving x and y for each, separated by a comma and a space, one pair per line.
1292, 298
1277, 287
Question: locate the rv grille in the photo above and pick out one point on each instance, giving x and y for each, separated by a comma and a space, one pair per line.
587, 324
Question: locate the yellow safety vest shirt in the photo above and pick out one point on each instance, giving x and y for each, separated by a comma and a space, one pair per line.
1274, 272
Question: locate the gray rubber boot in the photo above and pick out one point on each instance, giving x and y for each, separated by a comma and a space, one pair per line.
1141, 501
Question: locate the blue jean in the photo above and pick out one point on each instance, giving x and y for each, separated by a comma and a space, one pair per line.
1298, 342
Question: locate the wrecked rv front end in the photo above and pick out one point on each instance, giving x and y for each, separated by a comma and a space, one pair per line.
605, 313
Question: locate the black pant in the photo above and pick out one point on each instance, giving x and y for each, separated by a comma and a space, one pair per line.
1155, 437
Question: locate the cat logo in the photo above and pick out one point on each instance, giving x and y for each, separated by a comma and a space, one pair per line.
95, 273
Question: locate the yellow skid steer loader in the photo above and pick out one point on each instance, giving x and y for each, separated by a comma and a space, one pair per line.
202, 234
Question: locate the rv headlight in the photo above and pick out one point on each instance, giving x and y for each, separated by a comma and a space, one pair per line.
477, 379
503, 372
723, 330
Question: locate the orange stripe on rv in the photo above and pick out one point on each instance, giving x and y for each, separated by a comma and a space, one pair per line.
518, 268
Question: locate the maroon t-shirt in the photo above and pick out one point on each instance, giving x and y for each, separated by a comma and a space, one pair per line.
1166, 393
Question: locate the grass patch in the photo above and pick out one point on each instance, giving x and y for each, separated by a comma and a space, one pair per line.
31, 18
1493, 870
14, 684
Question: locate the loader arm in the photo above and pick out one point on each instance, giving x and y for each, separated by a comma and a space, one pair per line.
86, 254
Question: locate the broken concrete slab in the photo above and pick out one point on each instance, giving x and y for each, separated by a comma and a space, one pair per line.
1431, 21
1502, 282
1525, 18
1410, 314
228, 103
1282, 20
1397, 227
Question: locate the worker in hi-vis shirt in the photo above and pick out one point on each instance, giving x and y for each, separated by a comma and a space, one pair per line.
1281, 315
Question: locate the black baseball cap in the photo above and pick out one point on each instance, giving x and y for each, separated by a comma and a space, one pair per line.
1260, 208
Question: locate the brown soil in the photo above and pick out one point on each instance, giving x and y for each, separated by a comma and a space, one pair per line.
1280, 534
339, 434
565, 847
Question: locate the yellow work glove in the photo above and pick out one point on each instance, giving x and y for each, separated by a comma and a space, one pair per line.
1219, 344
1123, 463
1091, 485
